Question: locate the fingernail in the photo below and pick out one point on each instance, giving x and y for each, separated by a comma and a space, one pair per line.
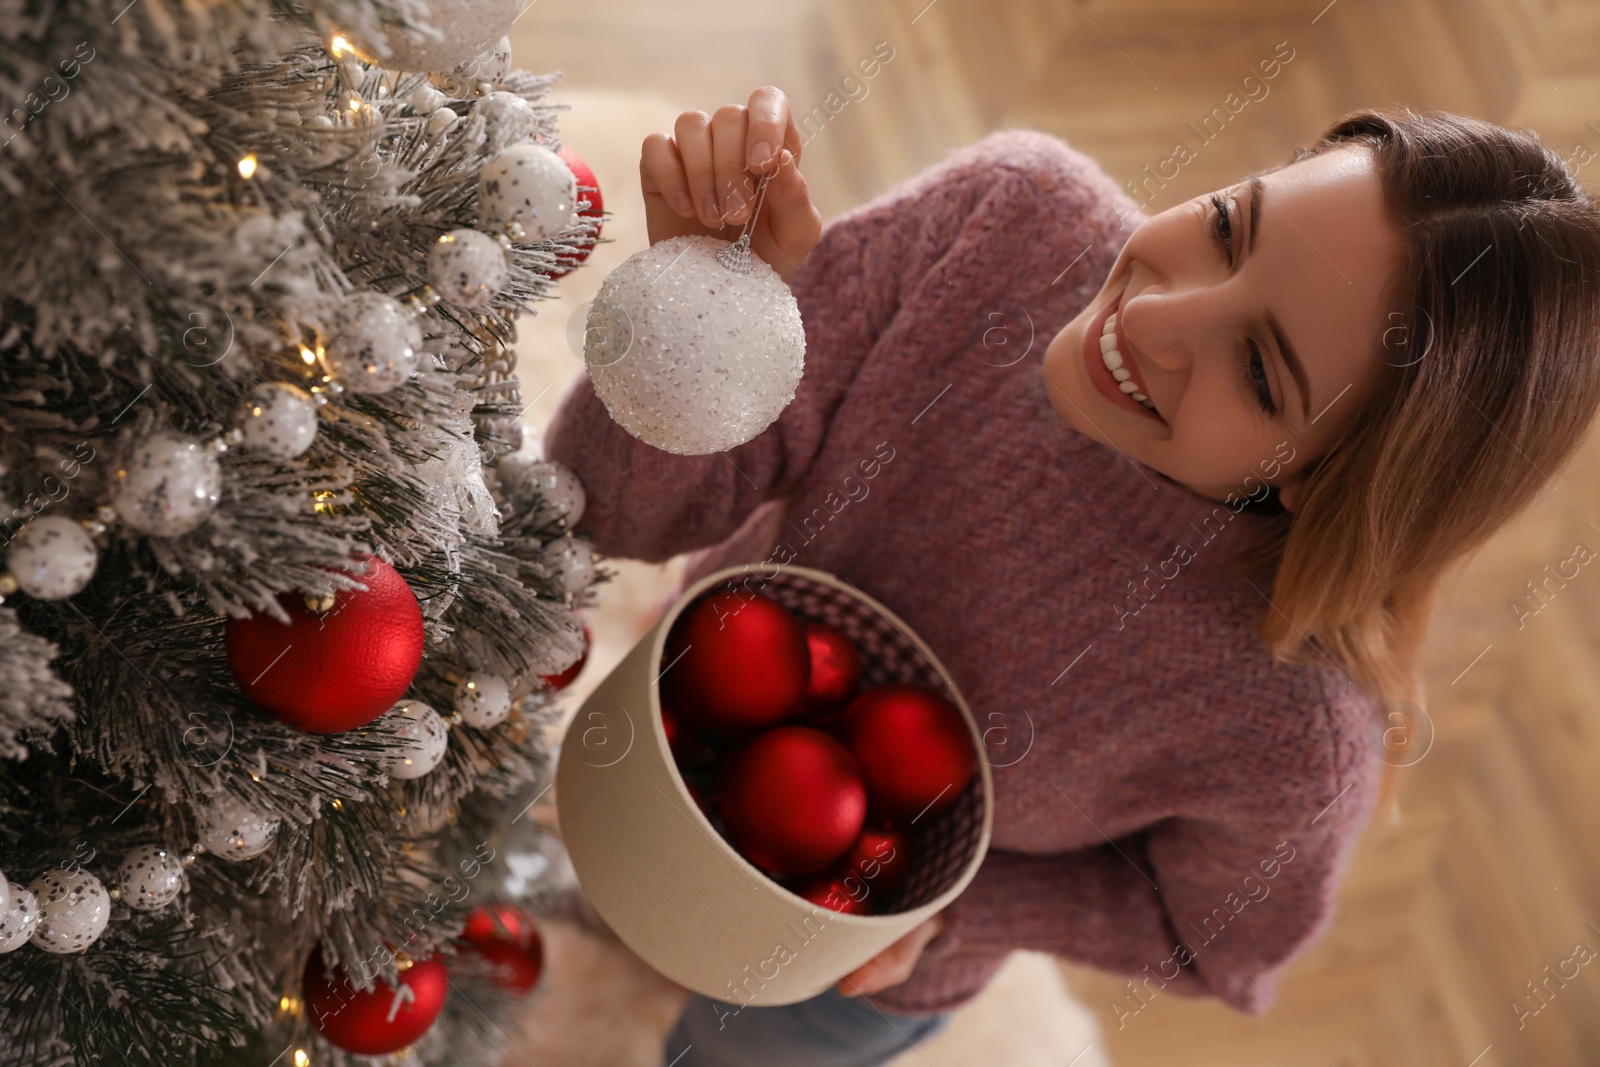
683, 204
760, 152
710, 206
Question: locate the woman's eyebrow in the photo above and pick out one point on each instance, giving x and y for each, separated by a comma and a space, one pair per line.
1258, 194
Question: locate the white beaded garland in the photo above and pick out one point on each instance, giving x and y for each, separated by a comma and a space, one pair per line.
168, 485
73, 910
573, 559
423, 739
483, 73
483, 699
464, 28
689, 356
18, 921
279, 419
51, 558
235, 832
468, 268
530, 186
508, 119
150, 878
373, 348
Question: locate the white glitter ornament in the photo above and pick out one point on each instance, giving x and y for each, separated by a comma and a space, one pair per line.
529, 186
423, 735
463, 28
373, 348
483, 73
150, 877
168, 485
18, 922
690, 356
280, 419
441, 120
51, 558
483, 699
468, 268
235, 832
555, 482
73, 910
573, 559
508, 119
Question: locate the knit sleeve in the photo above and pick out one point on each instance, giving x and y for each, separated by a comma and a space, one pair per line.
1194, 905
870, 265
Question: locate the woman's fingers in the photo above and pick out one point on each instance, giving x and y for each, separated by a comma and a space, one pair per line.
770, 123
693, 135
728, 128
661, 174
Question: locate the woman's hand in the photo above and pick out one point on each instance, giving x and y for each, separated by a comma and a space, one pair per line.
718, 157
894, 964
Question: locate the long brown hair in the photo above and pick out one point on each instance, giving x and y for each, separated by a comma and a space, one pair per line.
1486, 380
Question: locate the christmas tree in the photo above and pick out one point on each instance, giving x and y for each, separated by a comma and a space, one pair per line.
287, 600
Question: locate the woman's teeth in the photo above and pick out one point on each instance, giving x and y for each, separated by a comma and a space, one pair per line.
1113, 361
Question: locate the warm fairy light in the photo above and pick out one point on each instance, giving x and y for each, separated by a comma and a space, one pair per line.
323, 498
307, 355
247, 166
300, 1058
338, 47
338, 805
288, 1005
355, 103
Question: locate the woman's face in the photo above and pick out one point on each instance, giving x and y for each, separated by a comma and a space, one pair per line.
1213, 317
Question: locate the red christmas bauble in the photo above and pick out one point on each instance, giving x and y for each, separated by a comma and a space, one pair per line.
511, 945
378, 1020
839, 890
835, 671
688, 747
588, 187
564, 679
913, 746
882, 859
335, 671
792, 799
737, 662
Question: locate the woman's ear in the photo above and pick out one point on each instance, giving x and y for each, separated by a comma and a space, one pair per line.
1292, 486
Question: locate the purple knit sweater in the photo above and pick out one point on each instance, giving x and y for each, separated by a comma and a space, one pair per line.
1170, 804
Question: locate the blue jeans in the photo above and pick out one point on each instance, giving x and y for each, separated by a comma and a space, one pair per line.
829, 1030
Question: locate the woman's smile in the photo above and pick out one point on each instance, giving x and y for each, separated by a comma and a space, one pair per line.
1111, 367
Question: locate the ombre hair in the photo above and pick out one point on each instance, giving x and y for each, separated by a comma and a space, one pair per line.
1485, 381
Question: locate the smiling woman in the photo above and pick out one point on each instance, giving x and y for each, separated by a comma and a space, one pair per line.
1413, 303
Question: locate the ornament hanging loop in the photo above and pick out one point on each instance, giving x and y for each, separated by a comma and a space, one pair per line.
736, 257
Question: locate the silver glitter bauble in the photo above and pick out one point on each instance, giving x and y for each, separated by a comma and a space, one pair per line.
468, 268
168, 485
482, 73
555, 482
235, 832
508, 119
689, 356
73, 910
483, 699
423, 739
51, 558
18, 921
573, 559
280, 419
464, 28
374, 345
150, 877
531, 186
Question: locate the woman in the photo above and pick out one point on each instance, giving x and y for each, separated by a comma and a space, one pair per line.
1181, 561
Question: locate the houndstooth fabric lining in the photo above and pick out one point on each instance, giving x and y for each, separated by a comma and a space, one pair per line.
942, 844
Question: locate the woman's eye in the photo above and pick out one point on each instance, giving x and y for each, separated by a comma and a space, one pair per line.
1221, 226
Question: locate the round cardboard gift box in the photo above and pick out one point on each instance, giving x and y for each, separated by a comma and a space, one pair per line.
666, 881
